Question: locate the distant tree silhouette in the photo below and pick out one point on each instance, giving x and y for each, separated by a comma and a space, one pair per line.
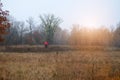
50, 23
30, 22
60, 36
4, 23
96, 37
75, 38
116, 36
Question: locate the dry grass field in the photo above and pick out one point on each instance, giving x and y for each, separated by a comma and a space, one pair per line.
60, 65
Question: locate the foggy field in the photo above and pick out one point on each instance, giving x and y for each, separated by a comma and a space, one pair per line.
42, 40
61, 65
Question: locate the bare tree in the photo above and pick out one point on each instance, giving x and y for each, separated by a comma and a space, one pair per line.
49, 24
30, 22
13, 36
116, 36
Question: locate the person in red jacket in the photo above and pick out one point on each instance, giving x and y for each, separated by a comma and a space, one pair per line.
46, 44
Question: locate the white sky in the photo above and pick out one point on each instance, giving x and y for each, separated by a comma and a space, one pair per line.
83, 12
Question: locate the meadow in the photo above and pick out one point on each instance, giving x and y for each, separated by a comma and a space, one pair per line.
60, 63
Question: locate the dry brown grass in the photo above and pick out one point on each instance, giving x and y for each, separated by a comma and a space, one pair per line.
60, 65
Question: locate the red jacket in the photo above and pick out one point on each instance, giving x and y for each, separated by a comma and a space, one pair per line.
45, 43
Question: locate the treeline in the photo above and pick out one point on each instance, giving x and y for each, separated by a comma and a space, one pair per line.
30, 33
95, 37
49, 30
13, 32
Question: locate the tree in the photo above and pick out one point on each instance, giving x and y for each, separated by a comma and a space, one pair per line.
49, 24
22, 30
4, 23
61, 36
31, 25
37, 37
13, 36
64, 36
116, 36
57, 36
74, 36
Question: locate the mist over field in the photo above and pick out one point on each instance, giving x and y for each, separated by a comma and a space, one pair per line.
59, 40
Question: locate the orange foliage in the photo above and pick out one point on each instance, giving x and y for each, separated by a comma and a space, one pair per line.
4, 24
84, 36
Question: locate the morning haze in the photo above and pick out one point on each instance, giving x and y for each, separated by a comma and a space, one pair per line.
59, 40
83, 12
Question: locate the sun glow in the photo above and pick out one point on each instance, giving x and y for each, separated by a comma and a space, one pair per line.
90, 22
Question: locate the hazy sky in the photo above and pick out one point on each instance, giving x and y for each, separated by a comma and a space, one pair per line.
83, 12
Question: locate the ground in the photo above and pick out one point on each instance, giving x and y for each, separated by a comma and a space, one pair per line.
61, 65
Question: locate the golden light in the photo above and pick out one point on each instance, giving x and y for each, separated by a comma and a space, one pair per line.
90, 22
